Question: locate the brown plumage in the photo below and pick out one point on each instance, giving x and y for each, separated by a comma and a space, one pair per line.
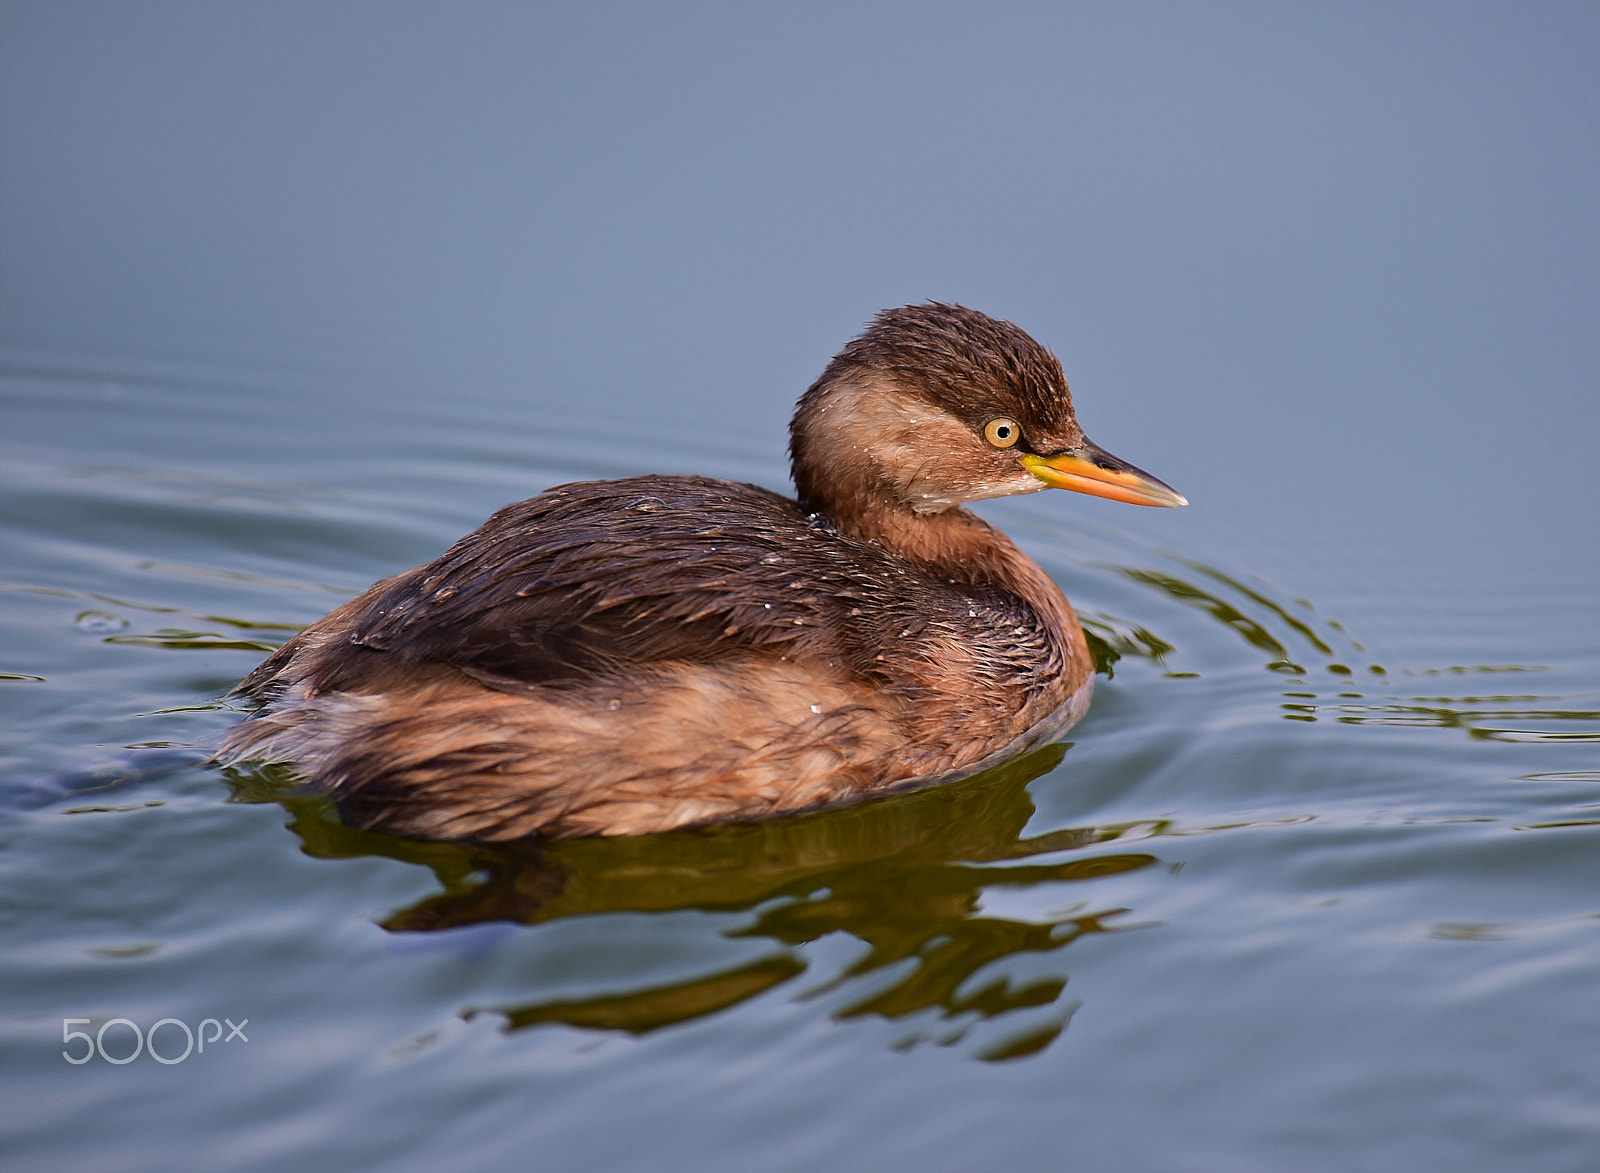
620, 657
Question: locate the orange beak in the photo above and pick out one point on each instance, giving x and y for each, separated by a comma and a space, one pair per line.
1091, 469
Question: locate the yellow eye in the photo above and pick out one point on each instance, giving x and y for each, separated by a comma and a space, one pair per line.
1002, 432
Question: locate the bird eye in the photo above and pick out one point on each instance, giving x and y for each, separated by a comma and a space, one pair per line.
1002, 432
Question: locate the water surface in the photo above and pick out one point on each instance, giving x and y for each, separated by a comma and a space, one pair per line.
291, 304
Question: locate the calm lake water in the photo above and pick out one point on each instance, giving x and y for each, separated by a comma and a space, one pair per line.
292, 297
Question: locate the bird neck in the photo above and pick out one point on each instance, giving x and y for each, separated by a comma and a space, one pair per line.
962, 548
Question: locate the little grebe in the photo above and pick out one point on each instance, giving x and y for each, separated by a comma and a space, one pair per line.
622, 657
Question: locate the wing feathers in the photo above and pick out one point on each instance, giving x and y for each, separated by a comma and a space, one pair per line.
603, 576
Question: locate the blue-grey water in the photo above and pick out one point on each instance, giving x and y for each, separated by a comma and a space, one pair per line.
291, 296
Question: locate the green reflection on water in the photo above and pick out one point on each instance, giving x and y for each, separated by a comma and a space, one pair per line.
1111, 638
904, 876
177, 638
1254, 633
647, 1010
1271, 628
283, 630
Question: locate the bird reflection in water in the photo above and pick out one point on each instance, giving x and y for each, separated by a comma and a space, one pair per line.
905, 876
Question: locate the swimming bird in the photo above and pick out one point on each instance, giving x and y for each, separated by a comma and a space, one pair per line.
628, 656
